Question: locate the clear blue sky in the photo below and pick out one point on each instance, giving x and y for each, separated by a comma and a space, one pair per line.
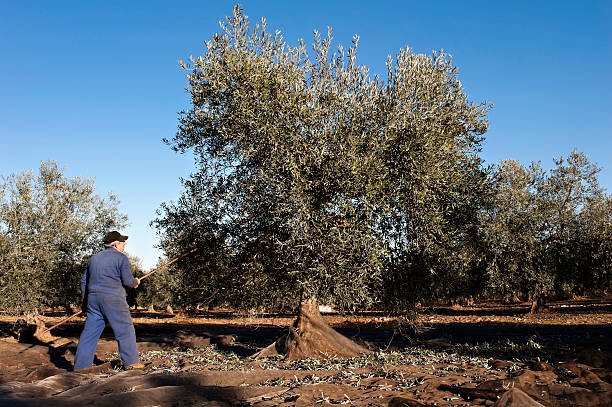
96, 85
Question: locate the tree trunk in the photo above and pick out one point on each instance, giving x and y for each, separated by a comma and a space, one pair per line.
32, 329
40, 333
311, 337
537, 304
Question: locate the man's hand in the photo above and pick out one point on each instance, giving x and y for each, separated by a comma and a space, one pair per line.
137, 282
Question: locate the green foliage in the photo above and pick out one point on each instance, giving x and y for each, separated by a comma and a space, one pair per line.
314, 177
514, 227
548, 233
596, 237
49, 226
158, 289
578, 224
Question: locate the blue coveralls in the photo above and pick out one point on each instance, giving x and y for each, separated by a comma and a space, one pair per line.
102, 284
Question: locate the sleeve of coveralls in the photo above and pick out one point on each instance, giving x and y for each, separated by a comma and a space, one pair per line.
84, 281
126, 274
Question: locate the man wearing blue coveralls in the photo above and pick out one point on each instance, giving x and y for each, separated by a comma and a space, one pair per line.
103, 293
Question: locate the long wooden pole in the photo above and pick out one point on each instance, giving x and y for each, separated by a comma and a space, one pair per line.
141, 278
169, 263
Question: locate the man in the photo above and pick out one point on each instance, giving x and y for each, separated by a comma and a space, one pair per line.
104, 296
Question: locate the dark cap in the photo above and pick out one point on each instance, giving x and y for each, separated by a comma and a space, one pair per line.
114, 236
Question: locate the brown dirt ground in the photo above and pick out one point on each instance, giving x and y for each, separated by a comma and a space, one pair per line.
454, 356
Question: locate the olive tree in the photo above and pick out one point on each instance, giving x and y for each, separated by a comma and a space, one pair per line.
314, 178
576, 216
548, 232
595, 268
514, 227
49, 225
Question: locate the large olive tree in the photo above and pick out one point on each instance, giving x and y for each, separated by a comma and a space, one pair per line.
49, 225
314, 179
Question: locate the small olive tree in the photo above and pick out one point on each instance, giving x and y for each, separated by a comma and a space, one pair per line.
313, 178
576, 216
49, 225
514, 227
594, 270
548, 232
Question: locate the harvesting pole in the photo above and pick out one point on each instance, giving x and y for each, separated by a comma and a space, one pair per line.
141, 278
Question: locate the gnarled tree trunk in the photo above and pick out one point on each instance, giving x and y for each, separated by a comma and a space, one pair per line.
311, 337
32, 329
538, 304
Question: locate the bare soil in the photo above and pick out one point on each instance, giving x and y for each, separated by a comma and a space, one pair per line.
484, 355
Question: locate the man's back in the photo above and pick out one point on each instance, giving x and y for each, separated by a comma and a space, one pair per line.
107, 272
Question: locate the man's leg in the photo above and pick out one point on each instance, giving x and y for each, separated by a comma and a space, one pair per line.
94, 325
117, 312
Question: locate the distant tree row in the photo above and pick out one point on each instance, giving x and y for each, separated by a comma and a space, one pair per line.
532, 234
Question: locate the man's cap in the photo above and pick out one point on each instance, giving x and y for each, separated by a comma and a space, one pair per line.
114, 236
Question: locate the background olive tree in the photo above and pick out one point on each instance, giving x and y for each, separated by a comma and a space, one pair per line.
594, 272
576, 217
514, 226
547, 232
49, 226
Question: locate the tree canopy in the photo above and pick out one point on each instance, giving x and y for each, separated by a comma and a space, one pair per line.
49, 226
314, 177
547, 232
